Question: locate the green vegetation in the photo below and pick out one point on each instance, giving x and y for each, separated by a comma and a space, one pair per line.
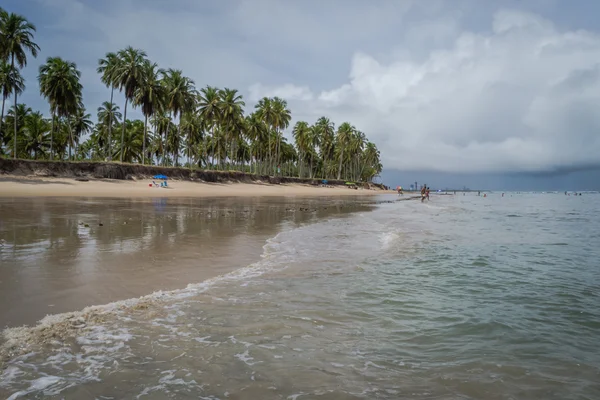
182, 126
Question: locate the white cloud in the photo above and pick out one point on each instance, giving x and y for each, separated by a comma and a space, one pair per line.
522, 97
288, 92
452, 86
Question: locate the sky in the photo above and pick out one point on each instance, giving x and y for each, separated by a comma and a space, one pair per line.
456, 89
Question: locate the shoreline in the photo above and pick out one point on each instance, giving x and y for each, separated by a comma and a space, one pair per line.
35, 186
156, 286
134, 247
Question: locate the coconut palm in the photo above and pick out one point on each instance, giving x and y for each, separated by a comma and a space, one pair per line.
232, 116
21, 113
16, 39
257, 132
208, 105
180, 97
108, 67
108, 116
301, 133
36, 131
150, 96
59, 84
192, 128
325, 140
132, 146
280, 122
162, 125
342, 139
80, 124
266, 112
128, 76
10, 81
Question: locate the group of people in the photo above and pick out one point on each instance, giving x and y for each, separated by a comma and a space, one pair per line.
424, 192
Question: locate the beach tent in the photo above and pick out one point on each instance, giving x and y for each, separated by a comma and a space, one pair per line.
162, 177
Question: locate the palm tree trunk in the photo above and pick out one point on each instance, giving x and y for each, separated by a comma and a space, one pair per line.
70, 138
52, 135
339, 175
269, 166
205, 144
176, 149
2, 115
15, 135
112, 90
123, 130
144, 142
16, 116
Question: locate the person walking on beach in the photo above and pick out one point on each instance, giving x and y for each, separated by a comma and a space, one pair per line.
423, 188
427, 193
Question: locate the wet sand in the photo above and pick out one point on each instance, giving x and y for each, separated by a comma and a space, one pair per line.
64, 254
28, 186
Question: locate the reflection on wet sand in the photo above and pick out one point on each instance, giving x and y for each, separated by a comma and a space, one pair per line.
64, 254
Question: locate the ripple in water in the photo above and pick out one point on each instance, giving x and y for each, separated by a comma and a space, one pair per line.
408, 301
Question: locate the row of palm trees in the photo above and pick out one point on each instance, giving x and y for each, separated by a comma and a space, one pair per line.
204, 128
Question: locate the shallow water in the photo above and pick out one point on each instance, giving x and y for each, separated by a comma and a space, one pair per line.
463, 297
63, 254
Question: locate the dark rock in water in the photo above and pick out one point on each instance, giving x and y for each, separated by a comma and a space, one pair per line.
100, 224
86, 225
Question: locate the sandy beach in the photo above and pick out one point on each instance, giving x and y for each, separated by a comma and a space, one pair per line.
28, 186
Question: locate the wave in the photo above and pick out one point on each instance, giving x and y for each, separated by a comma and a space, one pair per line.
18, 341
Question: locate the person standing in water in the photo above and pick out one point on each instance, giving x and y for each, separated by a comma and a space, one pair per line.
427, 193
423, 189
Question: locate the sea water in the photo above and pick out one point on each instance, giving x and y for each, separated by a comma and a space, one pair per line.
461, 297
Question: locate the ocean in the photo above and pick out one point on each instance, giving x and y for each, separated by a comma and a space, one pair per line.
461, 297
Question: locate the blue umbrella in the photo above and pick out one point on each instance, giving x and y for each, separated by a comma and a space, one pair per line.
160, 177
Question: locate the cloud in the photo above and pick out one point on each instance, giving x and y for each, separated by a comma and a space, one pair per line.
287, 91
447, 86
522, 97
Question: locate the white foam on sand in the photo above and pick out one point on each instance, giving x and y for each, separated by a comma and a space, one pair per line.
18, 341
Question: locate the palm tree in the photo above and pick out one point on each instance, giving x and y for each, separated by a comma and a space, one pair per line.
192, 128
301, 134
108, 67
266, 112
19, 114
59, 84
37, 134
281, 121
10, 81
16, 39
128, 76
162, 125
108, 115
325, 139
232, 115
180, 97
132, 148
209, 103
343, 136
80, 124
257, 132
149, 95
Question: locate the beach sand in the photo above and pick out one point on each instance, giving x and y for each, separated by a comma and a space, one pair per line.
27, 186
